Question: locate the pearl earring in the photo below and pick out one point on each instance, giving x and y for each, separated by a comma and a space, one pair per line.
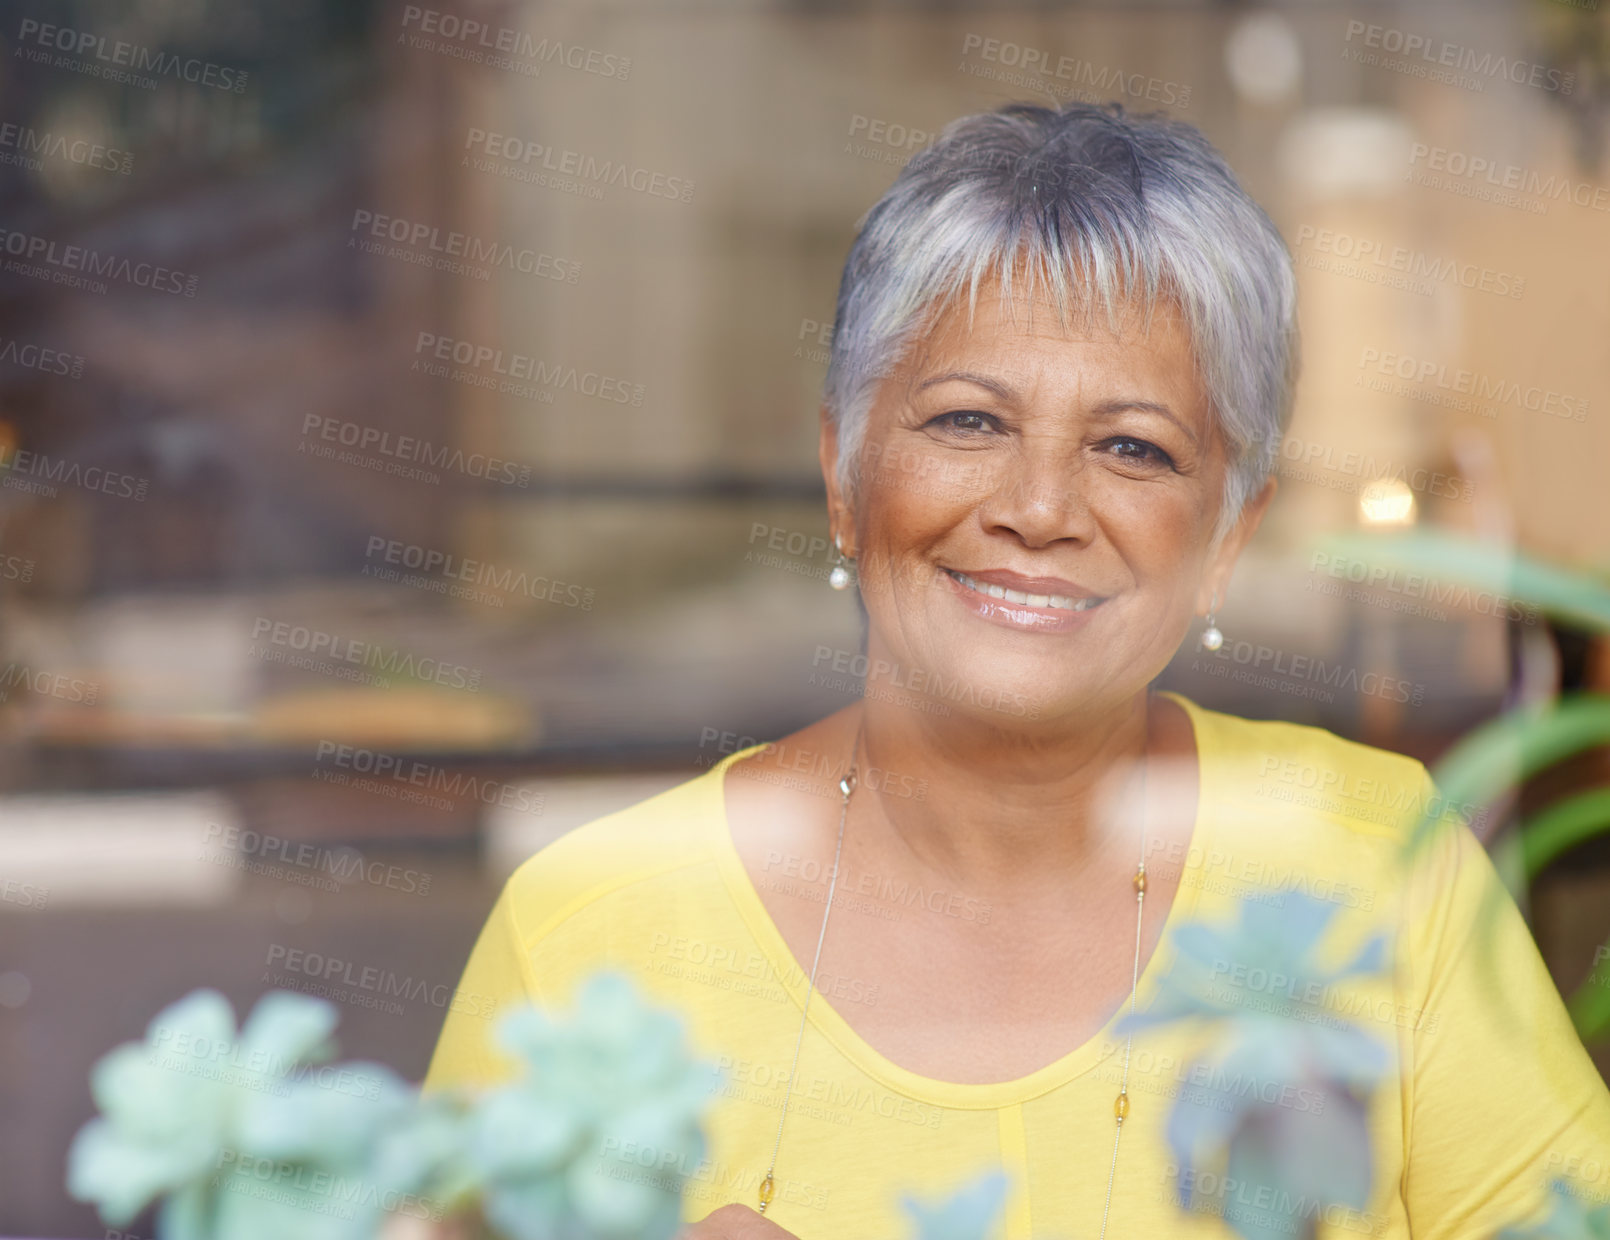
1212, 639
840, 577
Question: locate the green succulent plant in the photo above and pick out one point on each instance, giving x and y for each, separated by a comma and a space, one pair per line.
596, 1140
253, 1136
968, 1214
1314, 1154
248, 1136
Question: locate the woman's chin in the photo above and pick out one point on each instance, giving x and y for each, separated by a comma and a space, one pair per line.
997, 690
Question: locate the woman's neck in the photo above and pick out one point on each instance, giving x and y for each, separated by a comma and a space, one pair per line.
1007, 812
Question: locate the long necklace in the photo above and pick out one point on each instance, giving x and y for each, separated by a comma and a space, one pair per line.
1120, 1106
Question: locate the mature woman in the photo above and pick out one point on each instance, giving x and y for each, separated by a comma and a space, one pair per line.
1062, 362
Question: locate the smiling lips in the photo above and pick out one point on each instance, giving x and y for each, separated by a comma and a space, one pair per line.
1044, 592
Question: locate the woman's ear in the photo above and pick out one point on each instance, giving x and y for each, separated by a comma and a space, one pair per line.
839, 517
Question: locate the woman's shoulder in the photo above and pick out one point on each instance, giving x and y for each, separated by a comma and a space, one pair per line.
1298, 806
1274, 762
624, 855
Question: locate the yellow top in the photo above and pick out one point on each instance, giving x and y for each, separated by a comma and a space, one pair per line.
1489, 1094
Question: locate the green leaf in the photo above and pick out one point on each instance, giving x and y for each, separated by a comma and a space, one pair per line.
289, 1028
1562, 826
1578, 598
1512, 748
1590, 1006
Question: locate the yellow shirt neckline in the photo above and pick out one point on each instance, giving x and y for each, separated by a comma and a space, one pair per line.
826, 1021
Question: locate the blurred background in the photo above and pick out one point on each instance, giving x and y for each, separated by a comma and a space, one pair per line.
408, 422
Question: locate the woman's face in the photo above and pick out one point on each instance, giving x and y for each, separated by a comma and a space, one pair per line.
1035, 507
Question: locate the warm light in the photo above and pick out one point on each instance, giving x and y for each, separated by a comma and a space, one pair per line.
83, 122
1386, 501
1343, 152
1264, 59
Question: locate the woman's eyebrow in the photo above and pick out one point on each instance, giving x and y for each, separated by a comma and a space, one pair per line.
1001, 388
1108, 408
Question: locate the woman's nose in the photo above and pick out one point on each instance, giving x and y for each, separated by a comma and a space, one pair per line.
1041, 499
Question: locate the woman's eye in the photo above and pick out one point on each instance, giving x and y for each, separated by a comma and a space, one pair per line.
1142, 451
964, 420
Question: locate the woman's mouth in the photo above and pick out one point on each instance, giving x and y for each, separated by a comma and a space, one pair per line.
1056, 602
1022, 609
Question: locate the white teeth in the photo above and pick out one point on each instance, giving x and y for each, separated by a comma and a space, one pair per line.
1059, 601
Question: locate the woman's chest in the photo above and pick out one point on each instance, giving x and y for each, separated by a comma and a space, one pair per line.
851, 1148
957, 988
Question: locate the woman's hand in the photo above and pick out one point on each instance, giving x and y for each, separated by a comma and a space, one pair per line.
734, 1222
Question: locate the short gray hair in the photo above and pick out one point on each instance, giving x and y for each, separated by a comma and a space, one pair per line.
1102, 204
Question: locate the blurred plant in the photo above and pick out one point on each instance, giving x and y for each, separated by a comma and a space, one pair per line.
247, 1139
250, 1139
1568, 1219
1521, 742
1274, 1036
969, 1214
600, 1135
1574, 39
